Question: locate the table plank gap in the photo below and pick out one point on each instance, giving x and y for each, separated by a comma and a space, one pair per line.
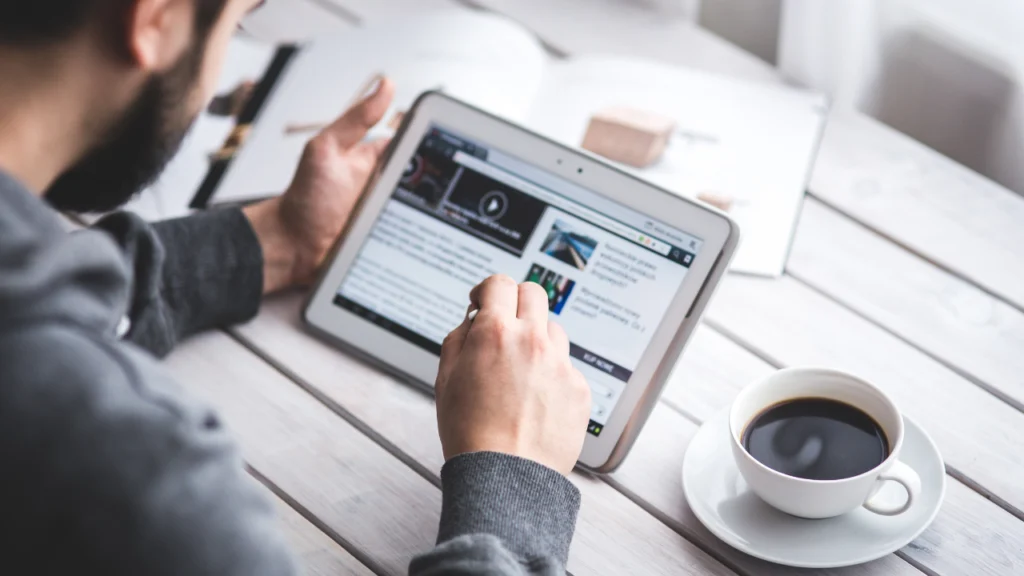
743, 343
767, 359
951, 471
923, 254
667, 422
970, 531
695, 537
910, 560
950, 319
363, 493
673, 405
996, 392
964, 489
678, 526
784, 321
613, 535
984, 492
678, 408
999, 389
317, 523
952, 544
974, 366
338, 409
920, 199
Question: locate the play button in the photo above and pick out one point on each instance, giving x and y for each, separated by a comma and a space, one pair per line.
493, 205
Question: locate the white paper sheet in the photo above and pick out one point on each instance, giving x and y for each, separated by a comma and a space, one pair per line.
754, 143
480, 58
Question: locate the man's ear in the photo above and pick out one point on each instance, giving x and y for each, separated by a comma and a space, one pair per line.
159, 32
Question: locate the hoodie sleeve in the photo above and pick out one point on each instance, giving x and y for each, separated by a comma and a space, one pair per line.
501, 515
188, 274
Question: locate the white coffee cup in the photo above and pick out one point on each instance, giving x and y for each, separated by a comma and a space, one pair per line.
822, 498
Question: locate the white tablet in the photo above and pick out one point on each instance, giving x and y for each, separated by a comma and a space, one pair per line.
462, 195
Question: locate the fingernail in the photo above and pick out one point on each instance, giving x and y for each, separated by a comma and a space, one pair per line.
376, 84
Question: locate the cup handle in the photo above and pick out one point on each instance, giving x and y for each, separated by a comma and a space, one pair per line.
905, 475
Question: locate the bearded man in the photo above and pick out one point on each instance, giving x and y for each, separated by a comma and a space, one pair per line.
106, 467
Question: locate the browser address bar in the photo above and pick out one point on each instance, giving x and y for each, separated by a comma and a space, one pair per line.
557, 201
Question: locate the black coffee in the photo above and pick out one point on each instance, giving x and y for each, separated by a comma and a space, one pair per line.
816, 438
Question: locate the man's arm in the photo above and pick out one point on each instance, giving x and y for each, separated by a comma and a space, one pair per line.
210, 269
512, 414
188, 274
501, 514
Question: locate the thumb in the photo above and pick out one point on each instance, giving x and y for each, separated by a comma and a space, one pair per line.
351, 127
374, 148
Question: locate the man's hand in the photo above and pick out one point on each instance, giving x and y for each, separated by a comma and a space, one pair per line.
297, 229
505, 383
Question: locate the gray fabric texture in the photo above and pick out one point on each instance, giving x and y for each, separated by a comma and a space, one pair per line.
109, 468
502, 514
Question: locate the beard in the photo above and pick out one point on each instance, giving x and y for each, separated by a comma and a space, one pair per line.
138, 146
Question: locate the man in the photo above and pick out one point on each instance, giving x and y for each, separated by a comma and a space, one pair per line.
107, 469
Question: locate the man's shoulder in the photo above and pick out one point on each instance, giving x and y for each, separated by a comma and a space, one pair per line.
84, 411
126, 467
55, 369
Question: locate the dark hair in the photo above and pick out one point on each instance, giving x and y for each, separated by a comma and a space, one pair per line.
28, 22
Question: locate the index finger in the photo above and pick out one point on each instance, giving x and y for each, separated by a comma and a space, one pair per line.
496, 296
352, 126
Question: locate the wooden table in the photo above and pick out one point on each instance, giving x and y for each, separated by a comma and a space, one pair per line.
907, 269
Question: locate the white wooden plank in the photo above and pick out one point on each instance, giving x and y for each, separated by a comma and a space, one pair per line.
363, 493
977, 433
970, 505
943, 314
710, 374
971, 535
613, 536
403, 415
924, 201
316, 552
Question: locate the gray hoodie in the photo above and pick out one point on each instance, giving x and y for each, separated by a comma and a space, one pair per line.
107, 468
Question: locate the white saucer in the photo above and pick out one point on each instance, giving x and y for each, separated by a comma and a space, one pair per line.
722, 502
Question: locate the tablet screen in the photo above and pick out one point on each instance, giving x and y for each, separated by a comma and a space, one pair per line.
463, 211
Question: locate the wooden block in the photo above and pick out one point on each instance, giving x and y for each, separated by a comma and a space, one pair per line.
720, 201
628, 135
396, 120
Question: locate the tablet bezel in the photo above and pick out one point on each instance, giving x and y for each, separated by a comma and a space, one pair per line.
719, 234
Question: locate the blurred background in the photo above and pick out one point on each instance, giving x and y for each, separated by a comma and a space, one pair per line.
945, 72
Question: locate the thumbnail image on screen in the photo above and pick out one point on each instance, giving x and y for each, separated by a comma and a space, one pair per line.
558, 287
568, 245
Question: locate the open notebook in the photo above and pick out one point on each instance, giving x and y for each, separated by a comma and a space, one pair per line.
754, 143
